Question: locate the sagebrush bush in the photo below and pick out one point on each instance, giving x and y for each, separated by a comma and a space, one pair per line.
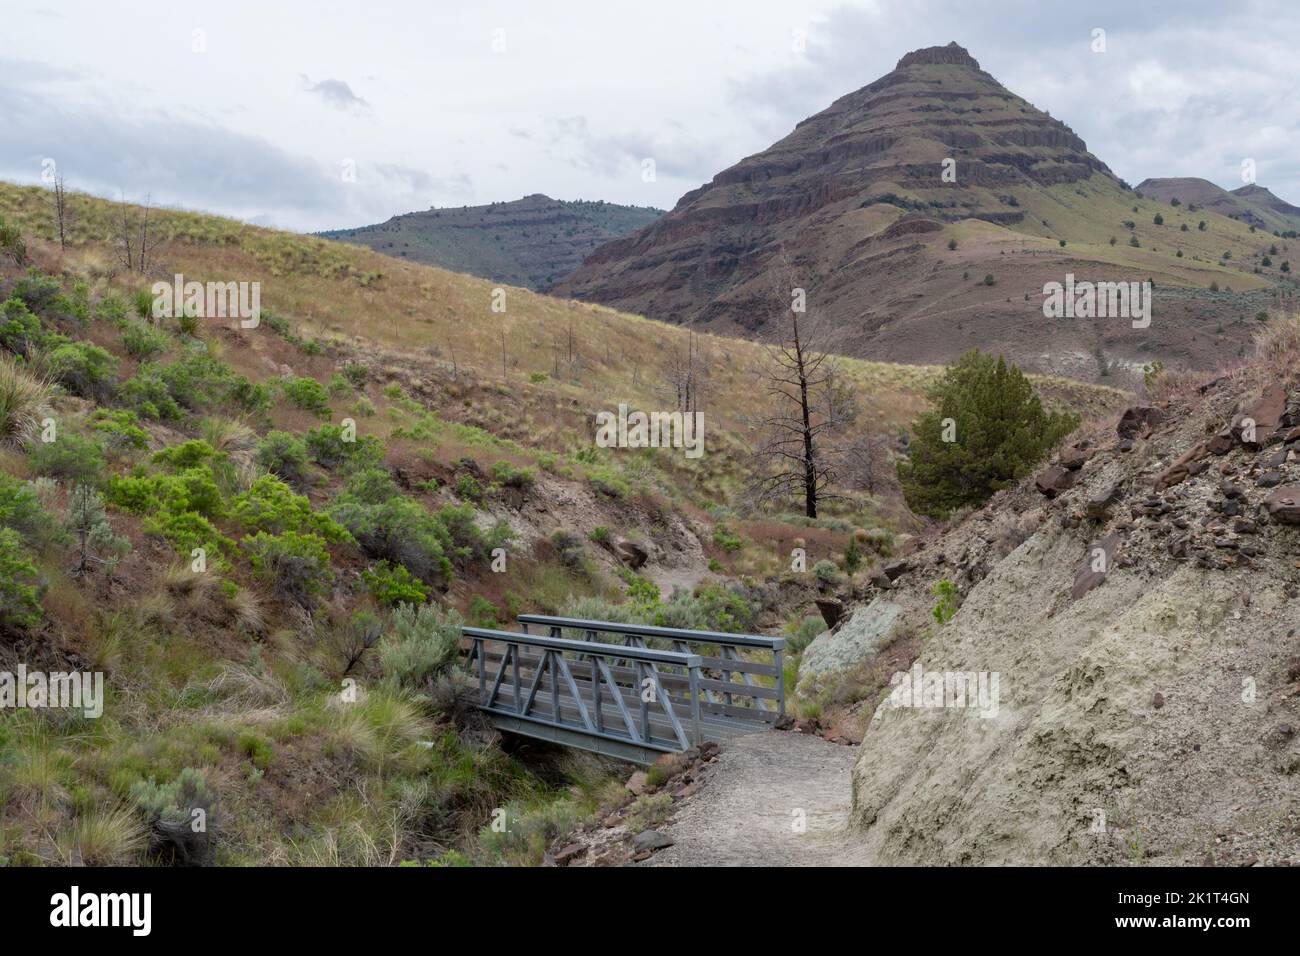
181, 817
421, 644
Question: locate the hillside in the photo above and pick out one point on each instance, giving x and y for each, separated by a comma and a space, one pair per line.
1253, 205
201, 530
910, 267
529, 242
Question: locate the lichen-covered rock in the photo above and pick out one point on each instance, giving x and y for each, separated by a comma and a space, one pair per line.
856, 641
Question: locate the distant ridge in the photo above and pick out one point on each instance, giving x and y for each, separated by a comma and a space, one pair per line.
529, 242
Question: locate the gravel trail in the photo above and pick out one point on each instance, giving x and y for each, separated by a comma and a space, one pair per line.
745, 811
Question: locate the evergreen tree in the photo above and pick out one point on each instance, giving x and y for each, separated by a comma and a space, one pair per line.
988, 429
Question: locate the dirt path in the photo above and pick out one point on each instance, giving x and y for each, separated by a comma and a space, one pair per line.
745, 810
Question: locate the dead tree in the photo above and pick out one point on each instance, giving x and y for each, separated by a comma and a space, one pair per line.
799, 451
62, 214
136, 245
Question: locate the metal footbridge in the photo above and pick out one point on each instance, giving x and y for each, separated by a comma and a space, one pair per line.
630, 691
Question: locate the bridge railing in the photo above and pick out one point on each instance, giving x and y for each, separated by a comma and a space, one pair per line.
567, 690
734, 666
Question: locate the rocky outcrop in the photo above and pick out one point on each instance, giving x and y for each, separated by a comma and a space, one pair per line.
1141, 636
859, 638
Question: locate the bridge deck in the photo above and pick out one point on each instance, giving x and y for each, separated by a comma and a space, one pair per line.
625, 700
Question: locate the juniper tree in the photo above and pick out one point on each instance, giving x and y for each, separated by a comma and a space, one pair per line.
988, 429
94, 541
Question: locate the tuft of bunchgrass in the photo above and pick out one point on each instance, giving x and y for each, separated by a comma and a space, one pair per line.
24, 402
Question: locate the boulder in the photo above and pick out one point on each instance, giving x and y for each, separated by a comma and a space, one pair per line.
1095, 566
632, 553
832, 609
1074, 458
570, 853
647, 841
1099, 505
1054, 480
1283, 504
1138, 421
1267, 415
1182, 468
866, 631
896, 569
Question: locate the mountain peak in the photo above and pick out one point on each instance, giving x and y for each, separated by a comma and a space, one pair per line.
952, 55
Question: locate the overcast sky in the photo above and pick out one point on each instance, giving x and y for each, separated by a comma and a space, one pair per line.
258, 110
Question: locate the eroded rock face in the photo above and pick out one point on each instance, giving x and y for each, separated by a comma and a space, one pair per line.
1134, 607
853, 644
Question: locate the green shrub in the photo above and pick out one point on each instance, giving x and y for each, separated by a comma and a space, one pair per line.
711, 608
285, 456
295, 566
948, 601
394, 528
827, 572
800, 633
82, 368
307, 394
852, 555
190, 454
70, 457
120, 428
392, 585
1001, 432
272, 506
599, 535
20, 585
20, 330
326, 447
468, 487
508, 476
143, 341
21, 510
356, 373
421, 644
483, 613
726, 539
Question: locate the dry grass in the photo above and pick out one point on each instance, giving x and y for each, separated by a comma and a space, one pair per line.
24, 402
